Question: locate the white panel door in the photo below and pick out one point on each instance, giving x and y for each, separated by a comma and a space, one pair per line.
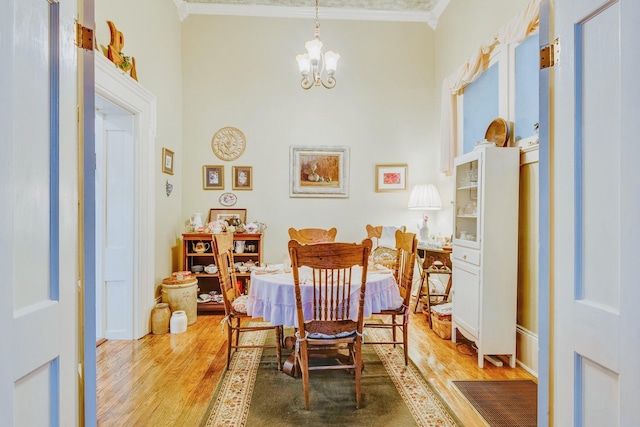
595, 214
38, 214
118, 215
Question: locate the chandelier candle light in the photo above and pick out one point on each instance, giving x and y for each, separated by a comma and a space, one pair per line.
313, 63
424, 197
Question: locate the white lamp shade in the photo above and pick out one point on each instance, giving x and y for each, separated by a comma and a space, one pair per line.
424, 197
304, 65
314, 49
331, 61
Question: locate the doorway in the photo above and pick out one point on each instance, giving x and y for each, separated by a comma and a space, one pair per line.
129, 112
114, 146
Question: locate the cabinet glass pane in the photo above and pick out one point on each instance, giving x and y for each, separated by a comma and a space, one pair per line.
467, 201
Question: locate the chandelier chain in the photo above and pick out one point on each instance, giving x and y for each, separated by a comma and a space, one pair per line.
317, 30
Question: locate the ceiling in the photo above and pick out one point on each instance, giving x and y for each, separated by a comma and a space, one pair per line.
371, 10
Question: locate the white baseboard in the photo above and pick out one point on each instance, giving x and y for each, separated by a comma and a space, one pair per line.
527, 350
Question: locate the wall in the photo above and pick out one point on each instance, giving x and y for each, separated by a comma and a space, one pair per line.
152, 34
241, 72
464, 26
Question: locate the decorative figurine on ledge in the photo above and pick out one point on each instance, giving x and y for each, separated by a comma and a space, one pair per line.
115, 55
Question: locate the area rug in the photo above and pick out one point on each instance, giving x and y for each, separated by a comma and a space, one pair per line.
503, 402
254, 393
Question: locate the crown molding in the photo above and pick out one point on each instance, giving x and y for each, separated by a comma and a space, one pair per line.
430, 18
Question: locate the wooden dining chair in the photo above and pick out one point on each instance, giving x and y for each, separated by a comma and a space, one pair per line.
334, 320
234, 302
313, 235
398, 318
408, 242
384, 252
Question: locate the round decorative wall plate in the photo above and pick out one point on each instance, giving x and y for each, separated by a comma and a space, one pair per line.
228, 199
228, 143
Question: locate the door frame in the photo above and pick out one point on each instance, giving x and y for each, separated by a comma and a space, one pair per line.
544, 224
118, 88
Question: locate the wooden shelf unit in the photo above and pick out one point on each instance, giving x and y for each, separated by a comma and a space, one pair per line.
209, 282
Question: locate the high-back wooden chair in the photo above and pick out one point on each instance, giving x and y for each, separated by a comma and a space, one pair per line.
375, 232
234, 309
335, 283
398, 318
384, 252
313, 235
407, 242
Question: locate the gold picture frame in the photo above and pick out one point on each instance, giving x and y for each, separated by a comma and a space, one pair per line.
319, 171
242, 178
225, 214
391, 178
167, 161
213, 177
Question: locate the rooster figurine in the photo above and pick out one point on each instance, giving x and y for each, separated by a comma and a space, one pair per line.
114, 52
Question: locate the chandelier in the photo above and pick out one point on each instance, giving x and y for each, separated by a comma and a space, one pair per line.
314, 63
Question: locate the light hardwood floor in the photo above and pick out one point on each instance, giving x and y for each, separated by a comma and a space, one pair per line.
168, 380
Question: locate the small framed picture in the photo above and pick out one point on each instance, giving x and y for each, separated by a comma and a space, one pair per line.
227, 214
213, 177
242, 178
391, 178
167, 161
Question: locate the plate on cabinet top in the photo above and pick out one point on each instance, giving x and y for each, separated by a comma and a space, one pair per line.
228, 199
498, 132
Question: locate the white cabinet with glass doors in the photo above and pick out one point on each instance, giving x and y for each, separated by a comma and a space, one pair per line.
485, 250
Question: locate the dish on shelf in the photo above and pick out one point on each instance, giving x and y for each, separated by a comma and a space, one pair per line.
211, 269
197, 268
204, 298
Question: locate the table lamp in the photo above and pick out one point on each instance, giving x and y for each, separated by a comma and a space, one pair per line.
424, 197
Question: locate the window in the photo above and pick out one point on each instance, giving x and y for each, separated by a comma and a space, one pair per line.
508, 88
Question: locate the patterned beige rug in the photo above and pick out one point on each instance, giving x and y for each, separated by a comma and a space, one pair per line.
253, 392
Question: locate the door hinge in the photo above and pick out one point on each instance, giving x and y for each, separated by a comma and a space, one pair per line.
84, 37
550, 54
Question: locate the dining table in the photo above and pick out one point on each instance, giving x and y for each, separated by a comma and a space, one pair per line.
272, 296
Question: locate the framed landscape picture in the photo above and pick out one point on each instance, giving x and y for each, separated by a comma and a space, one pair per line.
391, 178
319, 171
213, 177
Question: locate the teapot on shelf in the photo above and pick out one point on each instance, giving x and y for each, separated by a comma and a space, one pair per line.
200, 246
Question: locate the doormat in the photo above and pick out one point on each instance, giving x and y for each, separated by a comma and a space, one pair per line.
503, 402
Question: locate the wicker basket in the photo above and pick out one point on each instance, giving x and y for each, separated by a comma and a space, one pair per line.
442, 327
